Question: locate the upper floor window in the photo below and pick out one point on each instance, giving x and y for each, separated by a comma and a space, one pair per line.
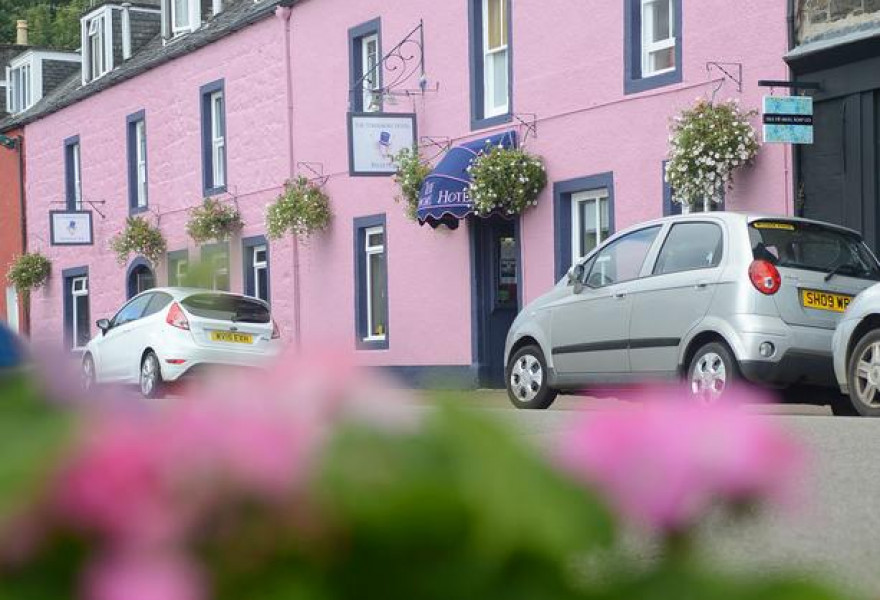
137, 162
96, 58
653, 43
182, 16
490, 61
73, 174
214, 138
19, 96
365, 46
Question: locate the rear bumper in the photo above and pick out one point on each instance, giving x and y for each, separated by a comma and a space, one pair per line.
197, 360
795, 366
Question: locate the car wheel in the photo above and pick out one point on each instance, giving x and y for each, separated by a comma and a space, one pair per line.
151, 377
863, 376
87, 374
712, 371
527, 385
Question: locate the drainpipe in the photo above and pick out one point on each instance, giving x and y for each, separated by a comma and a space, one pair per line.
19, 146
283, 13
126, 30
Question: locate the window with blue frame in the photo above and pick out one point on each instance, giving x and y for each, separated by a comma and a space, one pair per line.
371, 282
653, 44
213, 111
136, 134
584, 217
365, 70
255, 260
178, 267
73, 174
491, 67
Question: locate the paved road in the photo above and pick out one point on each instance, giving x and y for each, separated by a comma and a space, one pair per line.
836, 532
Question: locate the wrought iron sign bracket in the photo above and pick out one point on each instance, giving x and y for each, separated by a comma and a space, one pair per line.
732, 71
93, 203
442, 144
528, 121
315, 172
400, 64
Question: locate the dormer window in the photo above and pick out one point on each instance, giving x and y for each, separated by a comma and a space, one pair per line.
97, 66
180, 17
19, 90
183, 16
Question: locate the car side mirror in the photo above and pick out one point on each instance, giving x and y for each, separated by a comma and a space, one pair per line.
576, 277
103, 325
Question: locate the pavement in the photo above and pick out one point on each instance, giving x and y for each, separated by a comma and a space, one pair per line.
833, 534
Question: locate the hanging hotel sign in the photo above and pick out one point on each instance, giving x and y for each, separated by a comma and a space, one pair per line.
788, 119
374, 139
71, 228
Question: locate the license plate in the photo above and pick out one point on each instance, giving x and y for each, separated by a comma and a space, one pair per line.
231, 337
825, 300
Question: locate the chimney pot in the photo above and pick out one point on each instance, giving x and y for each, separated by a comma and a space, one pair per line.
21, 29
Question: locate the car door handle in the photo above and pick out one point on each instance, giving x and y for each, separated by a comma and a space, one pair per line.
619, 295
702, 285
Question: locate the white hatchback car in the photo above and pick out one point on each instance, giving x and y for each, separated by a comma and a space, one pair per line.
164, 334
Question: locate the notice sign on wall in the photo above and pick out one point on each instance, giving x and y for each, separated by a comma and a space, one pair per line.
788, 119
374, 139
70, 228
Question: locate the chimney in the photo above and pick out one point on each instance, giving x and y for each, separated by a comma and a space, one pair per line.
21, 28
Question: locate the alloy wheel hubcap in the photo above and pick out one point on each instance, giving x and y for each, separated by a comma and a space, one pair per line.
867, 380
526, 378
709, 378
148, 375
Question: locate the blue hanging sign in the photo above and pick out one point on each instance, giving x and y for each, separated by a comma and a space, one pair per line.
788, 119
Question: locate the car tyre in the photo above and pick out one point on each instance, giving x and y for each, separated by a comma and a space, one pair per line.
863, 378
526, 376
151, 383
87, 373
712, 371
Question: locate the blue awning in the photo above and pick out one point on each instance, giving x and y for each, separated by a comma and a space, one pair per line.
444, 195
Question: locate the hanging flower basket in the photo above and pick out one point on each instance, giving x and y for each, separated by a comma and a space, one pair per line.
708, 143
29, 271
213, 221
411, 173
138, 238
506, 181
302, 209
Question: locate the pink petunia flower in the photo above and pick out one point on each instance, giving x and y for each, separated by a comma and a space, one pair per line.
666, 463
143, 577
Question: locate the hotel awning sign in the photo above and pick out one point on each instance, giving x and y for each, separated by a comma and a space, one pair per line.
788, 119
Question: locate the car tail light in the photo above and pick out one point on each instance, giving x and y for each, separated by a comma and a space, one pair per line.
276, 333
176, 318
765, 277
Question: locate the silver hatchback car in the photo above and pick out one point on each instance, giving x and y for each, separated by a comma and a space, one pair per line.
708, 297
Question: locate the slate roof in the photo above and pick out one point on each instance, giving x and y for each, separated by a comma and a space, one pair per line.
236, 16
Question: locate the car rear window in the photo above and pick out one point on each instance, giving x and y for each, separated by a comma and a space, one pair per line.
813, 247
224, 307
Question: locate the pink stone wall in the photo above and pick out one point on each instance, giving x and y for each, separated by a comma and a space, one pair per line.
568, 69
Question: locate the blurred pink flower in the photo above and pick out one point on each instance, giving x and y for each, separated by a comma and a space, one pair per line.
143, 578
665, 463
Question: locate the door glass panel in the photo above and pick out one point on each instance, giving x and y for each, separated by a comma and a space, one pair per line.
82, 321
623, 259
378, 300
507, 285
262, 284
690, 246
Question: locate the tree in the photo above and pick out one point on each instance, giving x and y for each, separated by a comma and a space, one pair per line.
52, 23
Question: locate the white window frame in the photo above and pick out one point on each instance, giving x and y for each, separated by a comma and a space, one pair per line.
597, 197
74, 294
77, 175
95, 47
193, 17
12, 309
489, 110
649, 47
20, 97
370, 73
181, 268
372, 250
140, 144
218, 139
259, 265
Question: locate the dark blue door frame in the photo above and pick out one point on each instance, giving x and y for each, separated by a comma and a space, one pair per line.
491, 312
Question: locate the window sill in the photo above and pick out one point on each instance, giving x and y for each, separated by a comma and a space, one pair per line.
651, 82
372, 344
136, 210
487, 122
214, 191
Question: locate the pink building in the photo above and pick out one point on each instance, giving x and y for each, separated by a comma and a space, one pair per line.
232, 98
